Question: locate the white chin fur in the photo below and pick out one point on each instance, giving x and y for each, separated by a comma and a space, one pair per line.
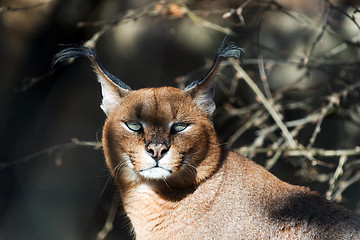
155, 173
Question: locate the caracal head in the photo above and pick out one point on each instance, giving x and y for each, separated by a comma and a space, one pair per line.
156, 134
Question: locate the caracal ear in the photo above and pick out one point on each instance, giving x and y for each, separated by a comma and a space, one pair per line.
112, 88
203, 90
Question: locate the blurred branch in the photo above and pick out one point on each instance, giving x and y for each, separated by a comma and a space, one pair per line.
133, 14
255, 117
108, 25
344, 185
339, 171
273, 112
321, 34
294, 123
334, 99
238, 11
204, 23
29, 82
320, 120
59, 149
173, 9
309, 22
352, 18
26, 8
281, 150
108, 226
298, 152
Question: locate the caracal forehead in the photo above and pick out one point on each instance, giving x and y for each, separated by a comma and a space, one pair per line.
164, 104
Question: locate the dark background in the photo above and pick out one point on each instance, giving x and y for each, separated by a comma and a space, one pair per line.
52, 191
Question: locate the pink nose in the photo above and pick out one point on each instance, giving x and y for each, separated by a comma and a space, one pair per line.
157, 150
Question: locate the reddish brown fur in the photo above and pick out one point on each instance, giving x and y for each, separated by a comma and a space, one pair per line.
198, 190
227, 197
162, 106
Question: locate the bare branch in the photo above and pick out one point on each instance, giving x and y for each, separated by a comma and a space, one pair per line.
60, 149
26, 8
298, 152
275, 115
108, 226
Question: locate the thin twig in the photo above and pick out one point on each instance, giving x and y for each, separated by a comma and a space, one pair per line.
338, 172
352, 18
334, 99
294, 123
312, 24
274, 114
238, 11
263, 78
108, 226
243, 128
321, 34
298, 152
60, 147
204, 23
344, 186
26, 8
272, 161
317, 129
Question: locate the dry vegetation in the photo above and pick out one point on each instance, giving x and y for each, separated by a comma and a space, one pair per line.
295, 97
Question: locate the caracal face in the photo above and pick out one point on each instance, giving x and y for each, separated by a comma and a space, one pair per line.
158, 135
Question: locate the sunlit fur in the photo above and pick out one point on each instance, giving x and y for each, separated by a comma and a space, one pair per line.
184, 159
199, 190
211, 193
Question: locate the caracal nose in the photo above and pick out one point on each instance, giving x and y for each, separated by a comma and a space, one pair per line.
157, 150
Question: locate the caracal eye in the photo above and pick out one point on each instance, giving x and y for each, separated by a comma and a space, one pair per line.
134, 126
178, 127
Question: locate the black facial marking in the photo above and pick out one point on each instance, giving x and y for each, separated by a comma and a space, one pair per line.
156, 101
138, 111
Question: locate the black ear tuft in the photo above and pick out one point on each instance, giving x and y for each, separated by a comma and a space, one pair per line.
72, 51
202, 90
113, 90
76, 51
226, 50
229, 50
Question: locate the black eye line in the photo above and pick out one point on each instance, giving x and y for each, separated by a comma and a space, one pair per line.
138, 131
141, 129
177, 124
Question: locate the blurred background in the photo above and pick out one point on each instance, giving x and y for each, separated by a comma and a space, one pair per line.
304, 56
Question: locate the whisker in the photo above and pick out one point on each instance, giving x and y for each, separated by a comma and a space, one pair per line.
117, 168
106, 184
97, 137
119, 165
192, 169
167, 184
116, 172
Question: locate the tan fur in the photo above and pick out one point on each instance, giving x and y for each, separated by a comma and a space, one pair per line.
226, 197
176, 182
